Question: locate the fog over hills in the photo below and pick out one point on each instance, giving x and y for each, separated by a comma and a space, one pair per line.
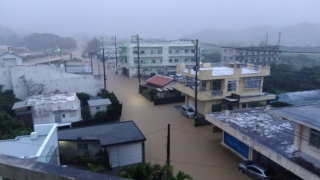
304, 34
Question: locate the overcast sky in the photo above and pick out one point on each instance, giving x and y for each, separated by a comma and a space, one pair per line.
152, 18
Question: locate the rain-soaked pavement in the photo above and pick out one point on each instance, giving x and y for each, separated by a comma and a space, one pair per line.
194, 150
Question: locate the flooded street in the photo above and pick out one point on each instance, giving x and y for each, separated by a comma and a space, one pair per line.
194, 150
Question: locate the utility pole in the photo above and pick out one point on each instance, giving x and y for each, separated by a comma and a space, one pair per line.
91, 63
138, 58
116, 50
196, 69
65, 65
168, 148
104, 71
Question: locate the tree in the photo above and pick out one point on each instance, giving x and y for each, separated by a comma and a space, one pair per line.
7, 99
31, 87
147, 171
93, 46
10, 128
83, 97
48, 41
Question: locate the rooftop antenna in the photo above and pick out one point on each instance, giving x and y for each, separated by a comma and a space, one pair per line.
267, 39
279, 38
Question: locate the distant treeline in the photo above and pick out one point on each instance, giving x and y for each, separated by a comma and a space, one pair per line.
300, 48
38, 41
285, 77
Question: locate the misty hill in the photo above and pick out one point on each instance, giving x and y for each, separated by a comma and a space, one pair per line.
305, 34
5, 32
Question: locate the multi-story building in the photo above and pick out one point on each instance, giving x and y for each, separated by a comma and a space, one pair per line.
232, 87
159, 58
252, 54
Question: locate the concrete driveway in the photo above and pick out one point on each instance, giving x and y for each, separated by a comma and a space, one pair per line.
194, 150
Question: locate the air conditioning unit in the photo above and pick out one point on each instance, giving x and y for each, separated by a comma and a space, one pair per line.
227, 113
256, 127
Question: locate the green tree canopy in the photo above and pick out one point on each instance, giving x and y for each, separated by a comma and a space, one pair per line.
45, 41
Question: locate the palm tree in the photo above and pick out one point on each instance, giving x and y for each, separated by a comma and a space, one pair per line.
146, 171
182, 176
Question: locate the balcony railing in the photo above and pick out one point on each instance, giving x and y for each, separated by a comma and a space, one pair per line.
216, 93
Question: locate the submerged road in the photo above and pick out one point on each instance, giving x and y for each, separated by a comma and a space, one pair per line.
194, 150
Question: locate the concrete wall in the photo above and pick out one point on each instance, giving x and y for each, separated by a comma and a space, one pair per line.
49, 148
5, 78
53, 80
17, 60
93, 110
43, 114
70, 148
304, 145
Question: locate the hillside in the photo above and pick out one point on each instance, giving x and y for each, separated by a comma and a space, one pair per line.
305, 34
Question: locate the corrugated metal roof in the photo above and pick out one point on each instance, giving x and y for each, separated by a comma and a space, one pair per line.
99, 102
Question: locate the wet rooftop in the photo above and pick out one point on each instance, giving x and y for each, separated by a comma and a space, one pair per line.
272, 131
51, 98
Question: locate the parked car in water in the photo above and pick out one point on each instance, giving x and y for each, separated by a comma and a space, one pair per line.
256, 170
187, 111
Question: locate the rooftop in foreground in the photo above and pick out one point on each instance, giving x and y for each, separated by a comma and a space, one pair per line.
308, 115
272, 131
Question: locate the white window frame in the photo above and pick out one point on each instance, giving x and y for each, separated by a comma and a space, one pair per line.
253, 83
233, 86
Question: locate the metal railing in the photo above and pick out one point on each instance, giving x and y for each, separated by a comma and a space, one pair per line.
216, 93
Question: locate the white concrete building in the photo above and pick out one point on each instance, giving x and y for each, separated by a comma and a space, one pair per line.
53, 80
159, 58
53, 108
251, 54
10, 59
41, 145
96, 105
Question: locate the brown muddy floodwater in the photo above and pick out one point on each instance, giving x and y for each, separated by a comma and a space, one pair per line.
194, 150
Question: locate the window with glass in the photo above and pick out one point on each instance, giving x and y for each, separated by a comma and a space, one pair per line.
176, 60
135, 61
232, 85
141, 52
186, 51
153, 51
170, 60
186, 60
170, 51
253, 83
315, 138
159, 61
98, 108
82, 147
159, 51
193, 51
153, 61
177, 51
135, 52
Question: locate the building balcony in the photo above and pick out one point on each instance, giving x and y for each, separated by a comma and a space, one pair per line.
202, 95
